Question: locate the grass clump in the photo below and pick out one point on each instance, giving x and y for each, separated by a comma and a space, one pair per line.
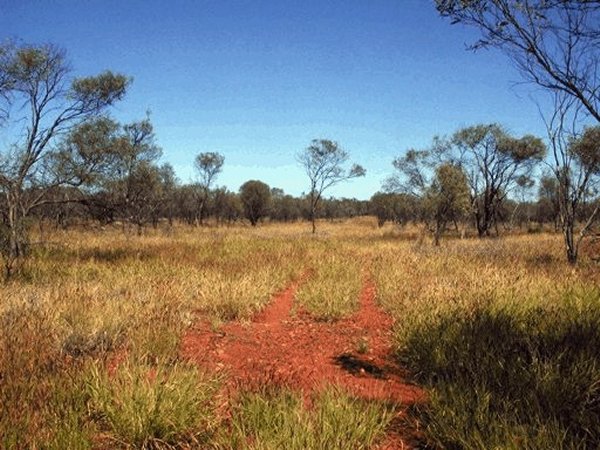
512, 379
156, 406
278, 419
510, 353
333, 288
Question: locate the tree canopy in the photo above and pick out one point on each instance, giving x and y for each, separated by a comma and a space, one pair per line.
323, 161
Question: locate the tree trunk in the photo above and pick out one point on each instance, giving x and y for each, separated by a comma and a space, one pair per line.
13, 248
437, 233
567, 219
571, 246
313, 213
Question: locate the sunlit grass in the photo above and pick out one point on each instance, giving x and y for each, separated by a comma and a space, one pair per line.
155, 406
333, 288
279, 419
93, 295
502, 332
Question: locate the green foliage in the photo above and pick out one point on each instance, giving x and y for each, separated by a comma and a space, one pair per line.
587, 149
323, 161
278, 419
493, 162
394, 207
525, 148
208, 165
511, 378
256, 200
447, 199
152, 406
35, 79
100, 90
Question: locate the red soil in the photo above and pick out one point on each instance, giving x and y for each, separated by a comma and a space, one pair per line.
282, 348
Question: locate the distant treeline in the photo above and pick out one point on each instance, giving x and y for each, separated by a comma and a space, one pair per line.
168, 202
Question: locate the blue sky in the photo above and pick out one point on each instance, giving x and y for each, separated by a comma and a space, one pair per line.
258, 80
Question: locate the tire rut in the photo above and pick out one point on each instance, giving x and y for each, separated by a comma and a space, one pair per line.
278, 348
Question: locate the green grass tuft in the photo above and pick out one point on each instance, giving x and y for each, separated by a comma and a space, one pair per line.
147, 406
524, 378
278, 419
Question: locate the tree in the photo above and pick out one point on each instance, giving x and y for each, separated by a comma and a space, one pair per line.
576, 167
323, 162
208, 165
144, 195
491, 159
39, 104
284, 207
135, 180
441, 188
185, 203
553, 43
227, 206
548, 207
256, 199
393, 206
383, 206
519, 211
169, 184
447, 198
494, 162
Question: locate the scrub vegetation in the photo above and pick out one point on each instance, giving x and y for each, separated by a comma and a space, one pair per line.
137, 311
502, 334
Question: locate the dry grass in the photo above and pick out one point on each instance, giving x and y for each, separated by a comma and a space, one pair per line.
90, 298
335, 280
506, 336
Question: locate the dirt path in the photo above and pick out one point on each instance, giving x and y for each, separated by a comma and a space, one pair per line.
280, 347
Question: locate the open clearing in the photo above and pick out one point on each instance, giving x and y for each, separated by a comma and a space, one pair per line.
359, 337
293, 350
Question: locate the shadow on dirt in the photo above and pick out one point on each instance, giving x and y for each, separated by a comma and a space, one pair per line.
357, 366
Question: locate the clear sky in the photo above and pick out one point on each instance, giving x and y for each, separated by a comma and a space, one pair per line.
258, 80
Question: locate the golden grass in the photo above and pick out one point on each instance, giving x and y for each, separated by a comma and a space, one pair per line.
86, 296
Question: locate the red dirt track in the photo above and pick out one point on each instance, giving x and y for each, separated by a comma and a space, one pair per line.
279, 347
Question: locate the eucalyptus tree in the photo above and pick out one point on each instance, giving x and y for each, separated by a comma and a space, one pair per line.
323, 161
40, 102
576, 168
169, 183
135, 181
208, 165
393, 206
554, 44
491, 160
227, 206
548, 206
446, 199
255, 197
440, 188
494, 163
